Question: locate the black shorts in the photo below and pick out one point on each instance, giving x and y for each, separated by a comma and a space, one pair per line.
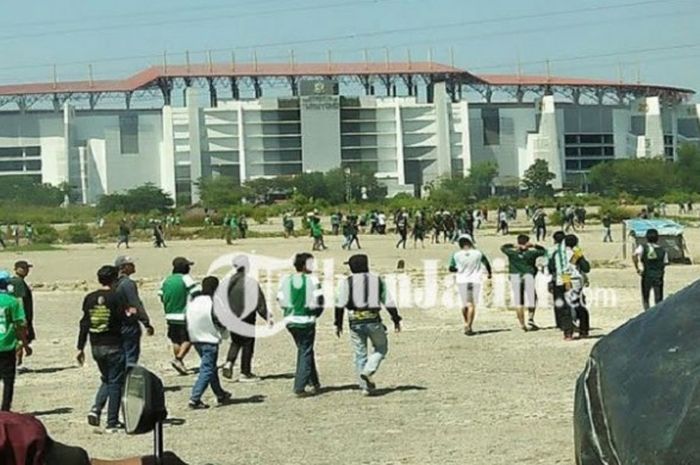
177, 333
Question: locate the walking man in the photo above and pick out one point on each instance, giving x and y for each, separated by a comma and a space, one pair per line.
301, 298
23, 291
175, 292
654, 259
205, 333
13, 338
246, 300
363, 294
124, 233
522, 267
469, 264
402, 228
136, 315
607, 227
561, 282
539, 219
102, 320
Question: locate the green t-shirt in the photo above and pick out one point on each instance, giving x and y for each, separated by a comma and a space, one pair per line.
175, 293
11, 316
316, 230
522, 262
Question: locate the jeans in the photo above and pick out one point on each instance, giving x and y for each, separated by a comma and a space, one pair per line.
208, 372
306, 373
608, 235
541, 232
8, 370
110, 362
245, 345
649, 285
131, 343
364, 364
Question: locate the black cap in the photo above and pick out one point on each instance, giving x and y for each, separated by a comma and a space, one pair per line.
358, 263
23, 264
181, 262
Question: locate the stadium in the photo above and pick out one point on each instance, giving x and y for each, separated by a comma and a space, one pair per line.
410, 122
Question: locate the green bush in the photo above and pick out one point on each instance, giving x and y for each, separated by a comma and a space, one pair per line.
79, 234
616, 212
45, 234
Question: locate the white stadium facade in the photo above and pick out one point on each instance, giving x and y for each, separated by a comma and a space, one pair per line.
411, 123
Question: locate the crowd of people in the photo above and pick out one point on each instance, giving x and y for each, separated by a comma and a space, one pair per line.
114, 318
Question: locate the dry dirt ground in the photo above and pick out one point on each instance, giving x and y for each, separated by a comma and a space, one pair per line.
503, 397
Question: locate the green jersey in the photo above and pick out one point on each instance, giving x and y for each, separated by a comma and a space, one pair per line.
316, 230
11, 316
175, 292
522, 262
301, 299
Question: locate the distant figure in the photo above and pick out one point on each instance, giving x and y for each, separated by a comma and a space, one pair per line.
29, 232
243, 227
402, 228
288, 226
654, 259
124, 233
607, 227
175, 292
419, 229
158, 235
539, 221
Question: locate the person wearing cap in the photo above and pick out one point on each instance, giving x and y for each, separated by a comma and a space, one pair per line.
363, 294
136, 312
22, 291
104, 312
246, 300
175, 292
469, 264
301, 298
522, 267
653, 259
13, 338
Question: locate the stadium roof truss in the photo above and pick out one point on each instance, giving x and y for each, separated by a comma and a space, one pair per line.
388, 78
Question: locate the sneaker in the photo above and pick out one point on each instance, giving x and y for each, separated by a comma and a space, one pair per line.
93, 418
469, 332
249, 378
302, 394
118, 428
197, 405
225, 399
532, 326
568, 337
366, 393
367, 378
179, 366
316, 389
227, 372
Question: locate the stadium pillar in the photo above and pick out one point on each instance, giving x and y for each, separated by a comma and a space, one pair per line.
430, 91
366, 84
409, 85
257, 87
235, 92
166, 87
519, 95
293, 85
127, 100
213, 102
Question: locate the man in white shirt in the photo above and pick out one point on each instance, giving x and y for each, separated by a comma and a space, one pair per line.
469, 264
654, 259
205, 333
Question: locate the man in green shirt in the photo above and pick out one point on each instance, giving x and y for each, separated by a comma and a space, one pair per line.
175, 292
13, 336
301, 298
22, 291
522, 267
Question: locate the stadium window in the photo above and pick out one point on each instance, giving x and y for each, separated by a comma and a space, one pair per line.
491, 120
10, 152
572, 152
571, 139
591, 151
609, 151
129, 134
591, 138
33, 165
32, 151
608, 139
572, 165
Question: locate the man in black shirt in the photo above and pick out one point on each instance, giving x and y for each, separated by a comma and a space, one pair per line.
103, 316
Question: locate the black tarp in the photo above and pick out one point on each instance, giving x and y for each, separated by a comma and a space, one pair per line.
637, 402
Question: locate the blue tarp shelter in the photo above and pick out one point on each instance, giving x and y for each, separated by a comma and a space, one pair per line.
670, 236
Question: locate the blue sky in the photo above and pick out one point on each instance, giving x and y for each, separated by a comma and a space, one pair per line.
590, 38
